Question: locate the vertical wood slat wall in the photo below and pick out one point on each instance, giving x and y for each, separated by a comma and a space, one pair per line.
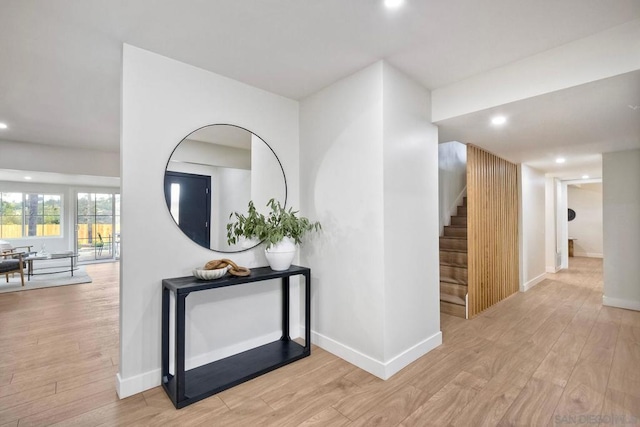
492, 204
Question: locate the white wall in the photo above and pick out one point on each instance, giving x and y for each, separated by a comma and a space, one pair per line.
163, 100
532, 226
342, 187
586, 201
267, 173
562, 228
452, 179
411, 245
369, 174
551, 230
46, 158
621, 211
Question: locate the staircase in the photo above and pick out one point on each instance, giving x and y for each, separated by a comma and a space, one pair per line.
453, 264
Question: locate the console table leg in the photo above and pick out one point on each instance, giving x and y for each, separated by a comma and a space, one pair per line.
285, 310
180, 326
307, 312
165, 335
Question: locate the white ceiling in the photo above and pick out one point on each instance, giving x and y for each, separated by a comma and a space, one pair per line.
61, 59
576, 124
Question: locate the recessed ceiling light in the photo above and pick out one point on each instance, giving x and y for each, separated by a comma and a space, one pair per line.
3, 126
561, 160
27, 178
585, 176
392, 4
499, 120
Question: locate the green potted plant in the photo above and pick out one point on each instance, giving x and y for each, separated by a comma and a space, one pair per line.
280, 230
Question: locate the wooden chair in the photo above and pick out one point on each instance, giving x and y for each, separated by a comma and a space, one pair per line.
10, 263
5, 247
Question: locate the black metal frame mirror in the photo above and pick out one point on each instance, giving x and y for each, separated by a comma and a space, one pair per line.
214, 171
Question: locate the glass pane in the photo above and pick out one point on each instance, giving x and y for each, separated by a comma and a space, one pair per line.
10, 215
85, 204
104, 204
51, 215
117, 212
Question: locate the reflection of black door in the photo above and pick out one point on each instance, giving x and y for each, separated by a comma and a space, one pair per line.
191, 207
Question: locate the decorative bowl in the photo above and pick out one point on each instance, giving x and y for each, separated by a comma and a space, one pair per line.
210, 274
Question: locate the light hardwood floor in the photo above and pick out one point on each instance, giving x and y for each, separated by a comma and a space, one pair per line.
551, 356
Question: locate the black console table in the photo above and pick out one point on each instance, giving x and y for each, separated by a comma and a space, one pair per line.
187, 387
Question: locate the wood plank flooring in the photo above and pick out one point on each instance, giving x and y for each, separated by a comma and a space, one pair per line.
551, 356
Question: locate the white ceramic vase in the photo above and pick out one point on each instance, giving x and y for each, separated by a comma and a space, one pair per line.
280, 256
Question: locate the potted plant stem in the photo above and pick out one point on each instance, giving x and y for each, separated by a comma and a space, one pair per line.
280, 230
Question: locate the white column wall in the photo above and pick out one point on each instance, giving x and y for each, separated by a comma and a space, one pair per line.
532, 227
342, 187
621, 211
550, 225
368, 162
562, 228
163, 100
411, 245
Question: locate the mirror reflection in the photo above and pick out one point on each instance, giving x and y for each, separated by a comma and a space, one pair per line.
215, 171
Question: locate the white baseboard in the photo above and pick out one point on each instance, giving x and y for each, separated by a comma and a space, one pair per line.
588, 254
531, 283
375, 367
553, 269
137, 384
412, 354
621, 303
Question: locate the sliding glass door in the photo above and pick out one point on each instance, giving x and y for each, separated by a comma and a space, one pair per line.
98, 226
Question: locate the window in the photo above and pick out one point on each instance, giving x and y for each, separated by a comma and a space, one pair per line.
97, 226
29, 214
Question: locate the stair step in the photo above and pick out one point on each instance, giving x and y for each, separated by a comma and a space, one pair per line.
453, 257
453, 274
459, 221
462, 210
453, 309
453, 290
464, 201
455, 231
448, 243
452, 299
454, 281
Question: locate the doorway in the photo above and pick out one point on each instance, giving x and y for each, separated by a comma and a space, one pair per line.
189, 202
97, 226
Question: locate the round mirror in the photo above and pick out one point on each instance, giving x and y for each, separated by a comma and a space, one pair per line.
217, 170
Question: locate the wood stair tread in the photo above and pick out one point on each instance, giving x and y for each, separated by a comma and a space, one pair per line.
464, 251
450, 264
454, 281
453, 309
452, 299
454, 264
